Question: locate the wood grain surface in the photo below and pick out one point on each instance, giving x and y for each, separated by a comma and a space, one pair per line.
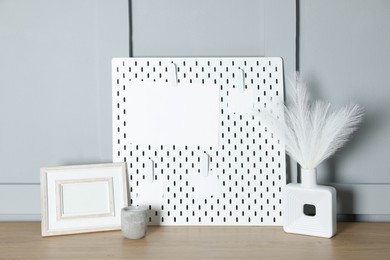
22, 240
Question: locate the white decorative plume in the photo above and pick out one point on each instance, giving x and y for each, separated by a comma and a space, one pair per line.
313, 133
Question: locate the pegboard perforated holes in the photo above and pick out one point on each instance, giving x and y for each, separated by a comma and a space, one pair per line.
237, 141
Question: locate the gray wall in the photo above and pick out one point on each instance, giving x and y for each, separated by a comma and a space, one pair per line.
187, 28
338, 41
345, 53
55, 87
55, 102
55, 90
198, 28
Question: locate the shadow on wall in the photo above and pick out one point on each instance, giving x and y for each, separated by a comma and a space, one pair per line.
374, 119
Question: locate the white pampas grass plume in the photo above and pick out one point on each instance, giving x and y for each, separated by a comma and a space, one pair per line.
313, 133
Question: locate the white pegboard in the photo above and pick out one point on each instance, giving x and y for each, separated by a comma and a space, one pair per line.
248, 165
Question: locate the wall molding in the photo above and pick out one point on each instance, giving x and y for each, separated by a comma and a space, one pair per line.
362, 199
20, 202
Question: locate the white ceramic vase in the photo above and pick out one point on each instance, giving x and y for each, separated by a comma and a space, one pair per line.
308, 208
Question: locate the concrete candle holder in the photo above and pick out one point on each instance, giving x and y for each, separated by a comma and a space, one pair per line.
133, 222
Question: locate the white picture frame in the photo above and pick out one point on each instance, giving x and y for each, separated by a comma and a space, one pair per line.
82, 198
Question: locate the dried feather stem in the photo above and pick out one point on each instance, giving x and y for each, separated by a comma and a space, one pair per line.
312, 132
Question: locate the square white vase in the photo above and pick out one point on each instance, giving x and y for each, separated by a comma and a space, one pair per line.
308, 208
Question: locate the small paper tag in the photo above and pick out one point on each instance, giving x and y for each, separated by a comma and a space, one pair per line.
241, 102
205, 186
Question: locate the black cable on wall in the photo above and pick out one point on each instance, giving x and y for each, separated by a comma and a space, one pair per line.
297, 34
130, 29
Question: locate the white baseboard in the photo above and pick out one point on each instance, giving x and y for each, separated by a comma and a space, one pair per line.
356, 202
20, 202
363, 199
19, 218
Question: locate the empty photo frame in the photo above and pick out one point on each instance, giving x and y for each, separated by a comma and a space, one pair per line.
80, 199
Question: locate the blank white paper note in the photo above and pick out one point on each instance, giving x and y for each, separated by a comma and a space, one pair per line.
159, 114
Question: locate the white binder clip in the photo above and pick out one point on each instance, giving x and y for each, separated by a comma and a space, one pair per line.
241, 101
172, 70
204, 170
240, 85
149, 171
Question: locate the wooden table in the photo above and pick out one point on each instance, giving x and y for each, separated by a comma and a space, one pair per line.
354, 241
